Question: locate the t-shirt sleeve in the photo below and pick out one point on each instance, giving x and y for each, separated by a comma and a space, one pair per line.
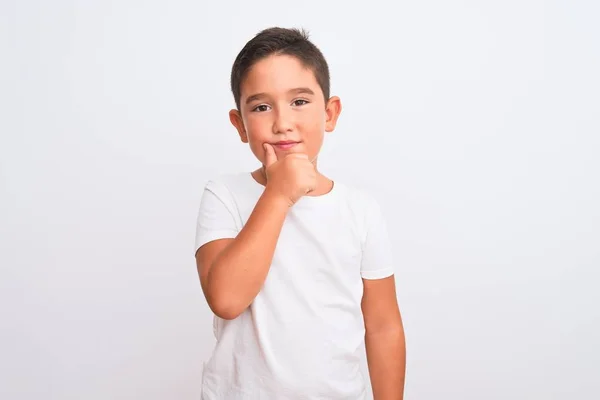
377, 259
216, 216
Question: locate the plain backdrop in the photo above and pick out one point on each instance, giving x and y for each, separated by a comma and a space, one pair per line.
474, 123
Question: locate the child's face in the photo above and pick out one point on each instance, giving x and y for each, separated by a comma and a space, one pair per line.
281, 101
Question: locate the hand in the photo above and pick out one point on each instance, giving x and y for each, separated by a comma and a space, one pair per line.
291, 177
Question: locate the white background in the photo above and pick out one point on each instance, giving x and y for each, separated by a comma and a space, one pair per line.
476, 125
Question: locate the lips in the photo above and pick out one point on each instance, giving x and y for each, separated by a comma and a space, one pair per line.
285, 144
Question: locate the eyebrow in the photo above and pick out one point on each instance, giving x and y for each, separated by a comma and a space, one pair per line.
299, 90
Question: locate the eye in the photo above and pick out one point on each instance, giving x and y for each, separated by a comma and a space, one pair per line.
261, 108
300, 102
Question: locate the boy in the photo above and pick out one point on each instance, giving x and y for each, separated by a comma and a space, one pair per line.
297, 268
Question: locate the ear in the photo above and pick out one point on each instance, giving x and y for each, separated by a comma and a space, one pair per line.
332, 111
236, 120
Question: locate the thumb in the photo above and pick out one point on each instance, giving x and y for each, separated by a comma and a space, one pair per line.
270, 156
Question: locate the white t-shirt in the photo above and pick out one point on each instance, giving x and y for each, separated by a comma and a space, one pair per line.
301, 338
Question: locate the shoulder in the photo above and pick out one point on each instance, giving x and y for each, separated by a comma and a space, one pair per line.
227, 184
360, 199
362, 208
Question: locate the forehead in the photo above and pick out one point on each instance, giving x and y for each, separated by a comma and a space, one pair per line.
277, 74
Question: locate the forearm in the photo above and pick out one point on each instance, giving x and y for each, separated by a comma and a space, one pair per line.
386, 357
238, 273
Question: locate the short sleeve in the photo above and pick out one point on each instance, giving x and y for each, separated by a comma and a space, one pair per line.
216, 216
377, 259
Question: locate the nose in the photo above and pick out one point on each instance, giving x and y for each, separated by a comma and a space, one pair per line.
283, 122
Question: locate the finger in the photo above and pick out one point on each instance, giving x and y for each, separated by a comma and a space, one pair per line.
270, 156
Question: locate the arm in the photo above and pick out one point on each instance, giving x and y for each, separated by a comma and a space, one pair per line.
384, 339
232, 271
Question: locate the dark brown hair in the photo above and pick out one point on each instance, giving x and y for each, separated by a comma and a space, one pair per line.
279, 41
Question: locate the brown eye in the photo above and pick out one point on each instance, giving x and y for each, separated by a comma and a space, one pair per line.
300, 102
261, 108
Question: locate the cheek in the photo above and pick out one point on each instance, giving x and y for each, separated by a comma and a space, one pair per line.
314, 125
257, 129
314, 135
258, 133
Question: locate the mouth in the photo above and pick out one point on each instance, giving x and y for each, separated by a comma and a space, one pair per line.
285, 144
